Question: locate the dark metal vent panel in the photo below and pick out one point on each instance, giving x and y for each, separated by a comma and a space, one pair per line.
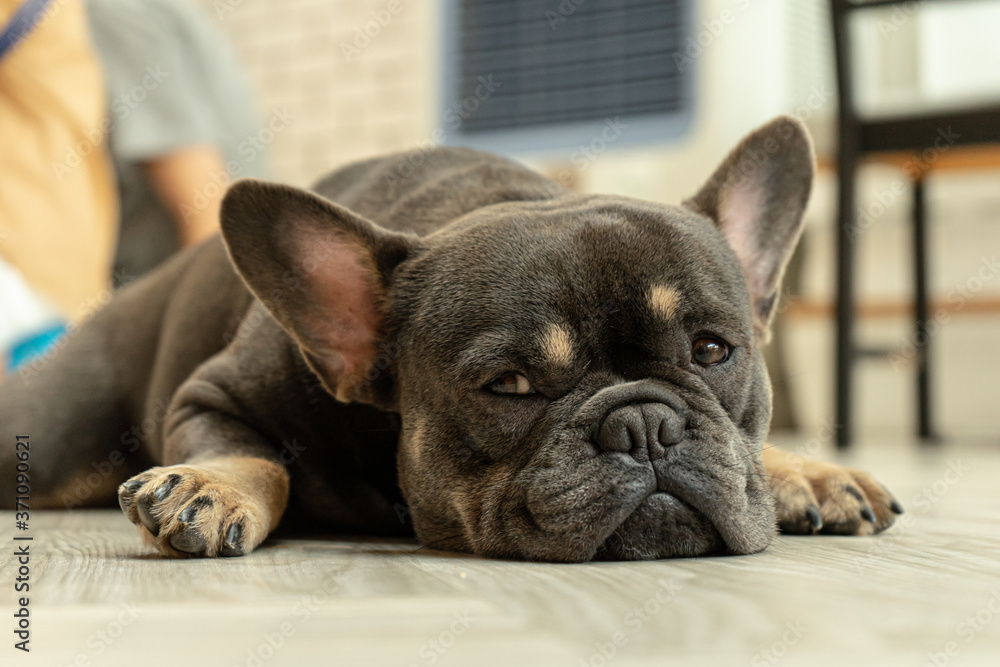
560, 62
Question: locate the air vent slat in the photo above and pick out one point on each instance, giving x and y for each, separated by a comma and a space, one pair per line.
581, 75
525, 64
540, 31
667, 39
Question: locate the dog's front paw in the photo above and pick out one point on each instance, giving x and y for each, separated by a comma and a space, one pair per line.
186, 510
817, 497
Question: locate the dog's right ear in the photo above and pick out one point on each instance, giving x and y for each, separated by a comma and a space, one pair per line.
324, 273
756, 198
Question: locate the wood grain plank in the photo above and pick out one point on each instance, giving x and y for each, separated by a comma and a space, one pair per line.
99, 597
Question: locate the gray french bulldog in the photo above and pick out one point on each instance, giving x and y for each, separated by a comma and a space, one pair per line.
445, 336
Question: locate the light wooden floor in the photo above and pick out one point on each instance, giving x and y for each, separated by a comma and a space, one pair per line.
98, 597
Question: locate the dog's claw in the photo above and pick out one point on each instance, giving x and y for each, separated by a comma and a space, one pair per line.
815, 518
164, 489
144, 508
126, 493
126, 497
854, 492
232, 544
133, 485
868, 514
187, 514
896, 507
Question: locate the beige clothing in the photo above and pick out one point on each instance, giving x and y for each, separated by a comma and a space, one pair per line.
58, 199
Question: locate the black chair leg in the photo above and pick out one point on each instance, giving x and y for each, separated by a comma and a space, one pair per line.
921, 311
846, 237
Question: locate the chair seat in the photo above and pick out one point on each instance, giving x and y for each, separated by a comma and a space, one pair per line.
955, 158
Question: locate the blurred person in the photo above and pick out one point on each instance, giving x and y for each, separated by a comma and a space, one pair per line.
182, 123
58, 205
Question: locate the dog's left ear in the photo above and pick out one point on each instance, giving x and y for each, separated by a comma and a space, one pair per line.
757, 197
324, 273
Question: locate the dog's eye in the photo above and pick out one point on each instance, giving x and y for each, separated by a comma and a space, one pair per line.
707, 351
510, 384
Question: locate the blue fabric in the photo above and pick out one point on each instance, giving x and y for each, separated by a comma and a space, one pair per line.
34, 346
21, 24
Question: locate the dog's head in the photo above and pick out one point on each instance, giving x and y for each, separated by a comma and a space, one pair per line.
578, 377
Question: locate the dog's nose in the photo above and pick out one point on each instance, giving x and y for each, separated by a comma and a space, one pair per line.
645, 430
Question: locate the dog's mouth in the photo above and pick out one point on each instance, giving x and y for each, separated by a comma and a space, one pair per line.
613, 508
652, 477
701, 498
630, 473
662, 526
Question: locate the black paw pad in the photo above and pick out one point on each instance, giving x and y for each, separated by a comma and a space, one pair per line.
841, 528
189, 540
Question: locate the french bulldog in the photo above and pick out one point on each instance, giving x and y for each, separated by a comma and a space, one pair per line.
447, 338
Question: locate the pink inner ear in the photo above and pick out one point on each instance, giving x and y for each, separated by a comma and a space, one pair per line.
740, 216
345, 319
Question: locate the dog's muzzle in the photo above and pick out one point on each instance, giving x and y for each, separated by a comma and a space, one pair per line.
636, 472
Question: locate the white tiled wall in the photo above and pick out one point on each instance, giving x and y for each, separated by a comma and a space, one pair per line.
354, 73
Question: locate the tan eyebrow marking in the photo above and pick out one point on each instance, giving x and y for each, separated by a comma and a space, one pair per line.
557, 344
663, 300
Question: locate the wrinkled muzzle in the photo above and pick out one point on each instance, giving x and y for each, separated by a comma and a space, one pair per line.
638, 473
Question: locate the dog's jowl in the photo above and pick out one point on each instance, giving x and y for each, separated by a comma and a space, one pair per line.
535, 373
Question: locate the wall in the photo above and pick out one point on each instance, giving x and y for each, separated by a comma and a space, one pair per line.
772, 57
